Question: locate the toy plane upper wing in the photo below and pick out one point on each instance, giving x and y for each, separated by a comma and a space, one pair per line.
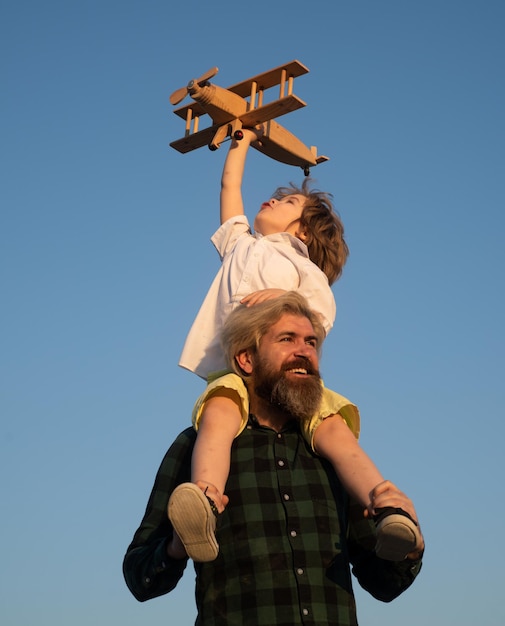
251, 117
204, 137
277, 76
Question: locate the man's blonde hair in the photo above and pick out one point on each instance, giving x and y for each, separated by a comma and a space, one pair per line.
246, 326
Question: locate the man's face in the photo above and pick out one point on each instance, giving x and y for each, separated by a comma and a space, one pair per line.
285, 368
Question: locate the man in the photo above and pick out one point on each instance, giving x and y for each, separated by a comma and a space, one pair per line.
288, 536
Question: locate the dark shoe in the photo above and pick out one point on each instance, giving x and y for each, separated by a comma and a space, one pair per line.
193, 516
397, 534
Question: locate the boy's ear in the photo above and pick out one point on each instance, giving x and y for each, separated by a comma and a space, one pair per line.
302, 234
244, 361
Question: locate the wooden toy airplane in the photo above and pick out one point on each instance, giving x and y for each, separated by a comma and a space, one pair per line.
242, 105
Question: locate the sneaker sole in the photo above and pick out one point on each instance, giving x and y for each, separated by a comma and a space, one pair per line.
397, 535
194, 522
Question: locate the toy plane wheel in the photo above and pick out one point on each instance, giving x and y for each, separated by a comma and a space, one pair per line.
238, 134
306, 171
212, 147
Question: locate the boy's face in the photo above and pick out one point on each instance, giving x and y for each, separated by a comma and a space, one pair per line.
281, 216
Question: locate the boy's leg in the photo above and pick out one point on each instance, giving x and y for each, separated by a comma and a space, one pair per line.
334, 441
397, 533
218, 426
193, 507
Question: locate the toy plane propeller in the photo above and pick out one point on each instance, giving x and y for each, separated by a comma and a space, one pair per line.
180, 94
241, 106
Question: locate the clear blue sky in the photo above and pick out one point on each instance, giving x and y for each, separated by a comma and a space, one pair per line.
105, 258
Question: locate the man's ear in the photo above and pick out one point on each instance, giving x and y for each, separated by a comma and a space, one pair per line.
244, 361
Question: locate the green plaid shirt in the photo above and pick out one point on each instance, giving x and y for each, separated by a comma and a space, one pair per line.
288, 539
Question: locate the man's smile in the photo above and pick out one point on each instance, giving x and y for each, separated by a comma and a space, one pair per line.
298, 370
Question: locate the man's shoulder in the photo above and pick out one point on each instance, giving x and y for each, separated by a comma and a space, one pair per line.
186, 437
176, 462
182, 443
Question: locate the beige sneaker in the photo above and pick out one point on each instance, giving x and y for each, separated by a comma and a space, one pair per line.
397, 534
193, 516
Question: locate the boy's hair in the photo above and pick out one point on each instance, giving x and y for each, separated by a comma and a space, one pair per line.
245, 326
325, 231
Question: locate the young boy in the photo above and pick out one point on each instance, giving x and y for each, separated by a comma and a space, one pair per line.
298, 246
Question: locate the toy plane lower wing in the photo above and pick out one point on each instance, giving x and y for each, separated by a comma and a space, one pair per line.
196, 140
277, 143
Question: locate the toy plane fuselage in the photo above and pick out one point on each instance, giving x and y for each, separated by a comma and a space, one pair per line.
230, 111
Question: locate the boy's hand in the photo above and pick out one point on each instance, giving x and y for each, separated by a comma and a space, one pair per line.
253, 135
262, 296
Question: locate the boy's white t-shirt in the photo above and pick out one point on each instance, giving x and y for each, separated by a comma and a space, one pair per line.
251, 262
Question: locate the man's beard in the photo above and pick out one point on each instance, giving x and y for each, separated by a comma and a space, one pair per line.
299, 398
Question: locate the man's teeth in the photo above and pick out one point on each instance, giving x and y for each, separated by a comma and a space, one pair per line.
299, 370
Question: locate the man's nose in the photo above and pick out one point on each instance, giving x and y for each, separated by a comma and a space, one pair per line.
303, 349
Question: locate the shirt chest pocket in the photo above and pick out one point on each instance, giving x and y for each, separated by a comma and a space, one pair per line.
277, 271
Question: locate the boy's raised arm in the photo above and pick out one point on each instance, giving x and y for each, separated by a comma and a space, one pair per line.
233, 171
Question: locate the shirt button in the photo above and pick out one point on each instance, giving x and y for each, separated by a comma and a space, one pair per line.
305, 611
147, 580
299, 571
285, 496
279, 436
280, 463
293, 533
